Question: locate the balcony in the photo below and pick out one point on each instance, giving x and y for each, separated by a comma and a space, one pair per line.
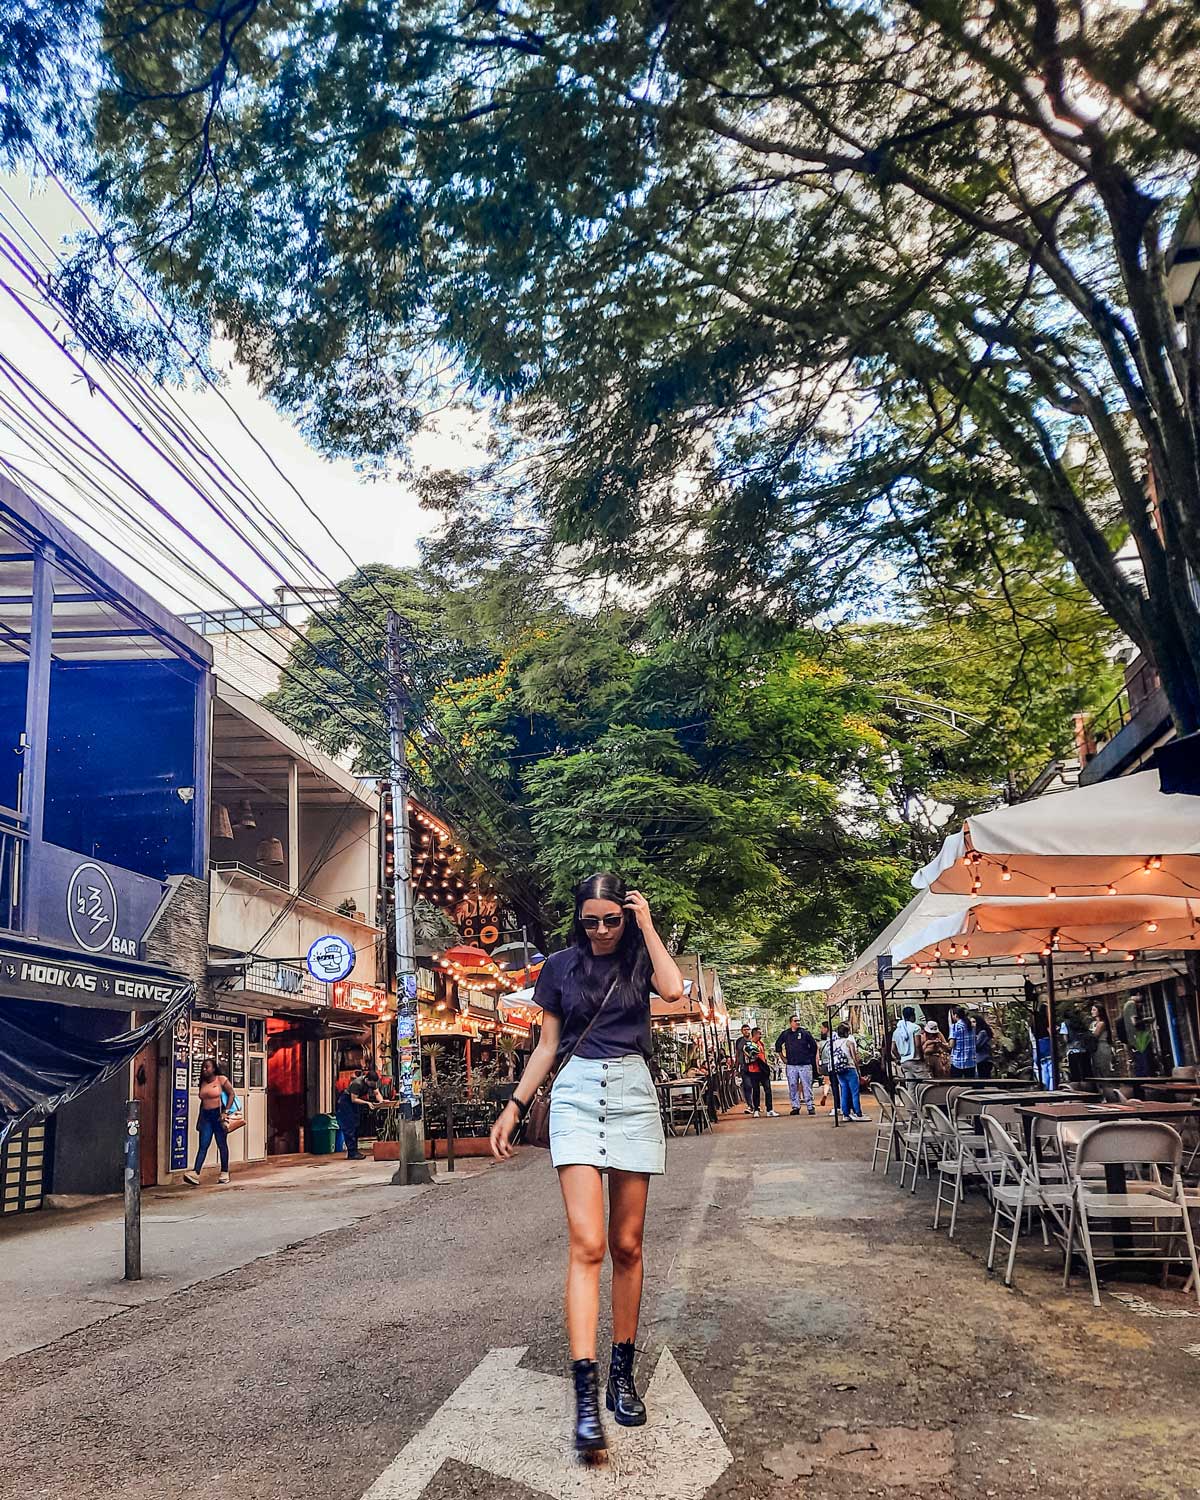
1121, 736
252, 913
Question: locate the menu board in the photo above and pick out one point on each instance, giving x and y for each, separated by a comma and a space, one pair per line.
237, 1072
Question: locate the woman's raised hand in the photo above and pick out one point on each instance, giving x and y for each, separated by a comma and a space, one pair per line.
640, 907
502, 1146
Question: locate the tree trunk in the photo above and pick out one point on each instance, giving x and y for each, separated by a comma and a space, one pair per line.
1179, 669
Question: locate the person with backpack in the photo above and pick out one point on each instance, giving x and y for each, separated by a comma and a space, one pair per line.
845, 1071
798, 1048
760, 1072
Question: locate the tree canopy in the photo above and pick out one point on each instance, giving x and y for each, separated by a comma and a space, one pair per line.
784, 301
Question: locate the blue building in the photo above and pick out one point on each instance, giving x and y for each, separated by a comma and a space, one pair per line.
104, 725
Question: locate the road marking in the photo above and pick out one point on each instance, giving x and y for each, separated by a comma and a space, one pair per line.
515, 1424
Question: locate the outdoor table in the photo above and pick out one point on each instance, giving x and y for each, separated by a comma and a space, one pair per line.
666, 1094
1097, 1114
1182, 1086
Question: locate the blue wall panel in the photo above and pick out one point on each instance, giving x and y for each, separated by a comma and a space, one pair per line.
120, 749
13, 677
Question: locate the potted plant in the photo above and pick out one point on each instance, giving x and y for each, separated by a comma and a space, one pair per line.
472, 1101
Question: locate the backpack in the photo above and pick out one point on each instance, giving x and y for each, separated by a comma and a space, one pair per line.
841, 1058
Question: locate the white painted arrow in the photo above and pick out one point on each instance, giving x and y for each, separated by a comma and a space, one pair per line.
515, 1424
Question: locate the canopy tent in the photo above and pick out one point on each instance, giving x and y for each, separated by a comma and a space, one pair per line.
1121, 837
1016, 926
862, 977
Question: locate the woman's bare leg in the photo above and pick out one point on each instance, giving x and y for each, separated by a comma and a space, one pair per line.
627, 1193
583, 1198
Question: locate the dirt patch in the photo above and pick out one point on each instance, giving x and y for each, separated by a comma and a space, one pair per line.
905, 1457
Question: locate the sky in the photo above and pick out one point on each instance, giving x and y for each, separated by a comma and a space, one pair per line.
377, 520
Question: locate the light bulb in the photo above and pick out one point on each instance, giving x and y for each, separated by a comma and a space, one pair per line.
1053, 892
1112, 890
1005, 873
1151, 926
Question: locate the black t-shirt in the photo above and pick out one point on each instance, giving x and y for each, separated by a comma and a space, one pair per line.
573, 989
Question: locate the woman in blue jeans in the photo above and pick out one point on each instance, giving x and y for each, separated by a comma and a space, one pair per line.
845, 1063
213, 1087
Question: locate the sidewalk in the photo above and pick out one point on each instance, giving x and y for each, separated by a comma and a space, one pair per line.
62, 1270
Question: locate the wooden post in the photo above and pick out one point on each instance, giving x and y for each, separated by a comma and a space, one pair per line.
133, 1191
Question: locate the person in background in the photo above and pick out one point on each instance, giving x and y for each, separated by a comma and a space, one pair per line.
760, 1072
214, 1088
907, 1048
935, 1050
962, 1046
1145, 1059
1102, 1052
798, 1048
845, 1068
357, 1093
739, 1054
983, 1047
825, 1064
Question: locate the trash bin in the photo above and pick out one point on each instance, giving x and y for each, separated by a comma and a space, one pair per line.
322, 1133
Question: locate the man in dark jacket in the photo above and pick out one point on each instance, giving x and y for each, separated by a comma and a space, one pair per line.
798, 1048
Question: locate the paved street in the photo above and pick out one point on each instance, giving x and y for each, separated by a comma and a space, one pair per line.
839, 1346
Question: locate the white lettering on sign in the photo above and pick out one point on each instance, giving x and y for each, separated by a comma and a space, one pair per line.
514, 1423
51, 974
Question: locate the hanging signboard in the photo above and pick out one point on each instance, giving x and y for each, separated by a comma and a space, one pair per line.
180, 1072
331, 958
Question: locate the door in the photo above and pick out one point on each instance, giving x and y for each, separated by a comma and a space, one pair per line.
145, 1091
286, 1092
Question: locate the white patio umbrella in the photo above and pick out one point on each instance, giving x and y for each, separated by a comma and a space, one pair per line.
1120, 837
1024, 927
1016, 927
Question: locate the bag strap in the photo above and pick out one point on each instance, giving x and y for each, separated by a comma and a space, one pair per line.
558, 1067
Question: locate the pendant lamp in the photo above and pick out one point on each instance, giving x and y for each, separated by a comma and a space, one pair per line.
270, 852
245, 814
220, 826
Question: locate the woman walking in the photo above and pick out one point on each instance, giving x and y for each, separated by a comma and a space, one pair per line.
846, 1071
604, 1119
213, 1088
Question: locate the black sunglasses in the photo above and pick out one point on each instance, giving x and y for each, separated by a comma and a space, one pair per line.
591, 923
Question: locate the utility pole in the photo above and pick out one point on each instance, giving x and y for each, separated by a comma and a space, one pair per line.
413, 1168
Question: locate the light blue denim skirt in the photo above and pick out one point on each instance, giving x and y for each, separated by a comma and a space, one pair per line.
604, 1113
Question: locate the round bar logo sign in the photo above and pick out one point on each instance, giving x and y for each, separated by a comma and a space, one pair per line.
330, 959
92, 909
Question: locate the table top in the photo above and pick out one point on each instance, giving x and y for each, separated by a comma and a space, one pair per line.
680, 1083
1155, 1080
1136, 1109
1032, 1095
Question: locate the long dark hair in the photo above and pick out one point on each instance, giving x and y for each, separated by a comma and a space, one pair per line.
633, 961
209, 1062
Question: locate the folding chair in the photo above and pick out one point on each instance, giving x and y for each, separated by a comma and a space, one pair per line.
887, 1129
959, 1160
1150, 1145
1017, 1191
913, 1145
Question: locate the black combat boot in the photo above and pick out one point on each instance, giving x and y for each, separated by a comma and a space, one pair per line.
589, 1430
622, 1398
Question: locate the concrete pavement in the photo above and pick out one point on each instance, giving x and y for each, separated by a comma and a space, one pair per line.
839, 1346
61, 1271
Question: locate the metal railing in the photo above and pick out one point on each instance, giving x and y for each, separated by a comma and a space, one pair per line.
235, 867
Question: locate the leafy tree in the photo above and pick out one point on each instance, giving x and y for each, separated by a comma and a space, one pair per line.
784, 297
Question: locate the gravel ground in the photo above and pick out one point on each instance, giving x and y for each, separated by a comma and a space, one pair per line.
842, 1347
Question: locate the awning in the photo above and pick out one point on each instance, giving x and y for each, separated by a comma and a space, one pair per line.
44, 1064
1123, 837
1095, 926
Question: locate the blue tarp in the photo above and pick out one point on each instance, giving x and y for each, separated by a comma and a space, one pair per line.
44, 1064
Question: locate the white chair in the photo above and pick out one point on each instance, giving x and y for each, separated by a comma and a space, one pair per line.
887, 1129
959, 1159
1016, 1191
912, 1145
1151, 1146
